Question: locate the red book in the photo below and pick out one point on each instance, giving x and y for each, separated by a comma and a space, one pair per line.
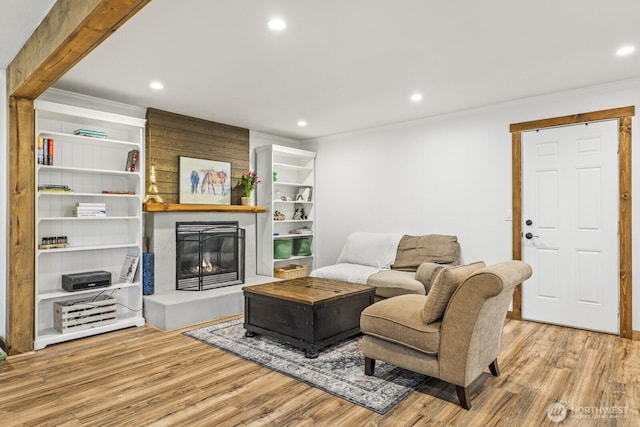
50, 152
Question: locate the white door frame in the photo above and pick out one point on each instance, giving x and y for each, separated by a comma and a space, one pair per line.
623, 115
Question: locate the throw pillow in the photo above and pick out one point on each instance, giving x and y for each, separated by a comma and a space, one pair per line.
373, 249
443, 287
426, 274
414, 250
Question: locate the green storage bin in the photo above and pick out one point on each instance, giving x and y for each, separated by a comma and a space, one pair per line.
282, 249
302, 246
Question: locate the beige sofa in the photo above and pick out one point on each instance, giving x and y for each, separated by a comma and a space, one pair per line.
453, 333
394, 264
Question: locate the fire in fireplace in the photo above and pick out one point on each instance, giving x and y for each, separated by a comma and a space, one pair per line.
209, 255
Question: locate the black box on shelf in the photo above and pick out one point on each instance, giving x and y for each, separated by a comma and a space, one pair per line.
86, 280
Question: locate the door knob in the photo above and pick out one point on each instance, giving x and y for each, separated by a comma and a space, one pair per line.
530, 236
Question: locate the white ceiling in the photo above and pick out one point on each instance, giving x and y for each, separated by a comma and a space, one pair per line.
18, 19
351, 64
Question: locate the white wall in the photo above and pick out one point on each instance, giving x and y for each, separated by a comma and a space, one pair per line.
449, 174
258, 139
4, 203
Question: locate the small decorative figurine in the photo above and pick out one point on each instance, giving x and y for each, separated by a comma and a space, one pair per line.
299, 213
152, 193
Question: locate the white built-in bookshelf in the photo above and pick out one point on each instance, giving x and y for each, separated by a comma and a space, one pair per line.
88, 218
286, 173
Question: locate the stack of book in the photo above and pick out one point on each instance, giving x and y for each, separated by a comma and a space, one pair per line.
54, 188
90, 132
89, 210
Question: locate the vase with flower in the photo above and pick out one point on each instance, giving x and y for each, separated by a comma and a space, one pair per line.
248, 182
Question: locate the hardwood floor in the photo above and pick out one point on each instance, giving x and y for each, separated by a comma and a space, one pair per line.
145, 376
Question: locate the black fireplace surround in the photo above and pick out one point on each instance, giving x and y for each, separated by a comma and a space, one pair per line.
209, 255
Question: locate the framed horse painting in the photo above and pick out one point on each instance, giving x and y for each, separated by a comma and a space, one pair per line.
204, 181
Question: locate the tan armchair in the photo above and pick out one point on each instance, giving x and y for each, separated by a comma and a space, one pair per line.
453, 333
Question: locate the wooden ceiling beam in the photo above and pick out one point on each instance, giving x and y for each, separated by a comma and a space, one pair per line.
71, 30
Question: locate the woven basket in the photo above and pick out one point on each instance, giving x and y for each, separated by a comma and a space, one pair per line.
292, 271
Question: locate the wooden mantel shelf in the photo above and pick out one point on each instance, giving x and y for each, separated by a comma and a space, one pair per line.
187, 207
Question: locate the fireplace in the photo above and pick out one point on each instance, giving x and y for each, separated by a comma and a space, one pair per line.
209, 255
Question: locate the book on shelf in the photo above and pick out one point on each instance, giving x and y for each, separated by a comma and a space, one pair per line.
85, 204
90, 132
89, 209
45, 150
129, 267
60, 186
50, 151
132, 160
89, 214
81, 210
301, 231
40, 152
54, 188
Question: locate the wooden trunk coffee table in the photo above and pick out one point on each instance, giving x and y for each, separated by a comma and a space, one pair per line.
307, 312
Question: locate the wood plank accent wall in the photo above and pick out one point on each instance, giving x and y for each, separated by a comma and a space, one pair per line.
171, 135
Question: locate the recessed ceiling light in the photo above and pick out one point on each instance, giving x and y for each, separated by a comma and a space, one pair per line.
277, 24
416, 97
156, 85
302, 123
625, 50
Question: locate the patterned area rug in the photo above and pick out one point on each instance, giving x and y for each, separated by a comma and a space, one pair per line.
338, 370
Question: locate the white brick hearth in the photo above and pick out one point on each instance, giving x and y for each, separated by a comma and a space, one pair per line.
168, 308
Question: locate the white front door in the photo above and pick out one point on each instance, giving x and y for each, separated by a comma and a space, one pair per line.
570, 225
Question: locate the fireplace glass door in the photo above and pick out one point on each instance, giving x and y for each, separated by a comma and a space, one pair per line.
209, 255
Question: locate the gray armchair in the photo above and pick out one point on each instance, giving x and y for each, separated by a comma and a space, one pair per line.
453, 333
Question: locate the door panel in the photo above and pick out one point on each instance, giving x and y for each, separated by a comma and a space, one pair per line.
589, 276
547, 262
547, 199
570, 188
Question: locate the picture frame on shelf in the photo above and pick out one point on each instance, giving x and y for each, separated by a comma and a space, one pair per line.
304, 195
203, 181
129, 268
